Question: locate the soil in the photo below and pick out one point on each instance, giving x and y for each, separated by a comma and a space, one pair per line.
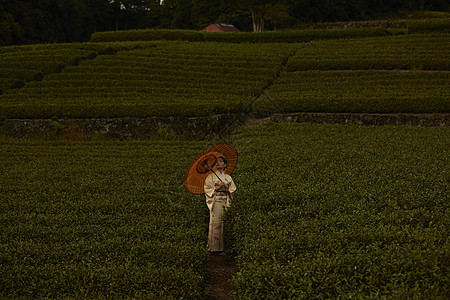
221, 269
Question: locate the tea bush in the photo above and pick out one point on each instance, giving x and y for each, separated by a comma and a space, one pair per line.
338, 211
429, 25
370, 75
167, 78
153, 79
32, 62
100, 220
418, 52
147, 35
357, 92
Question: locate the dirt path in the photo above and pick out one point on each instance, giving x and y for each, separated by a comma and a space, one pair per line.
221, 268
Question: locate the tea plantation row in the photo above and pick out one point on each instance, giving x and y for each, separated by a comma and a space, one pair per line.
164, 78
324, 80
100, 220
326, 211
156, 79
358, 91
408, 52
321, 211
21, 64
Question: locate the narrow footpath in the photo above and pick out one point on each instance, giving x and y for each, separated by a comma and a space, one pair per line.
221, 269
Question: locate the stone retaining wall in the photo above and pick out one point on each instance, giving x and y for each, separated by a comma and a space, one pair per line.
118, 128
365, 119
191, 127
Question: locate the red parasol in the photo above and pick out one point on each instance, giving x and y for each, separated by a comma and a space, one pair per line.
203, 165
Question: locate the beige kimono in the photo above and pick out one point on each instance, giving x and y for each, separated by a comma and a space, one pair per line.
217, 203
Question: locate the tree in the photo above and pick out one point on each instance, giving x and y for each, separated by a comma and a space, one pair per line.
128, 10
153, 17
167, 12
258, 10
102, 13
273, 11
70, 20
278, 15
43, 21
10, 30
182, 14
204, 12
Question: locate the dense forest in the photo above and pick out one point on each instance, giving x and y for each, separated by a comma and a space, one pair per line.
37, 21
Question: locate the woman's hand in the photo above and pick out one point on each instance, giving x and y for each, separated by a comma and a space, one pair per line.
222, 187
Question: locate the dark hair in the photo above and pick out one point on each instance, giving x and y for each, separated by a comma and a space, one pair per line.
224, 160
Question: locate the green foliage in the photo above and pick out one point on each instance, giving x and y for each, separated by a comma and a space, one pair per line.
423, 52
372, 75
153, 79
357, 91
166, 78
429, 26
10, 83
335, 211
47, 21
328, 211
20, 64
100, 219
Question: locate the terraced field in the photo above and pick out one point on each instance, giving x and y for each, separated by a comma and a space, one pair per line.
341, 211
373, 75
171, 78
359, 91
96, 220
152, 79
403, 52
321, 211
21, 64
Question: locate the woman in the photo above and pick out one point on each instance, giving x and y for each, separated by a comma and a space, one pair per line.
219, 188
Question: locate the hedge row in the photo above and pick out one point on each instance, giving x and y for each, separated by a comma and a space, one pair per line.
291, 36
147, 35
336, 211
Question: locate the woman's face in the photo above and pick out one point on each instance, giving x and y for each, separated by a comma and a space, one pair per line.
220, 164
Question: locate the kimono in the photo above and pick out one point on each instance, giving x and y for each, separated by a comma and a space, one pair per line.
217, 202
